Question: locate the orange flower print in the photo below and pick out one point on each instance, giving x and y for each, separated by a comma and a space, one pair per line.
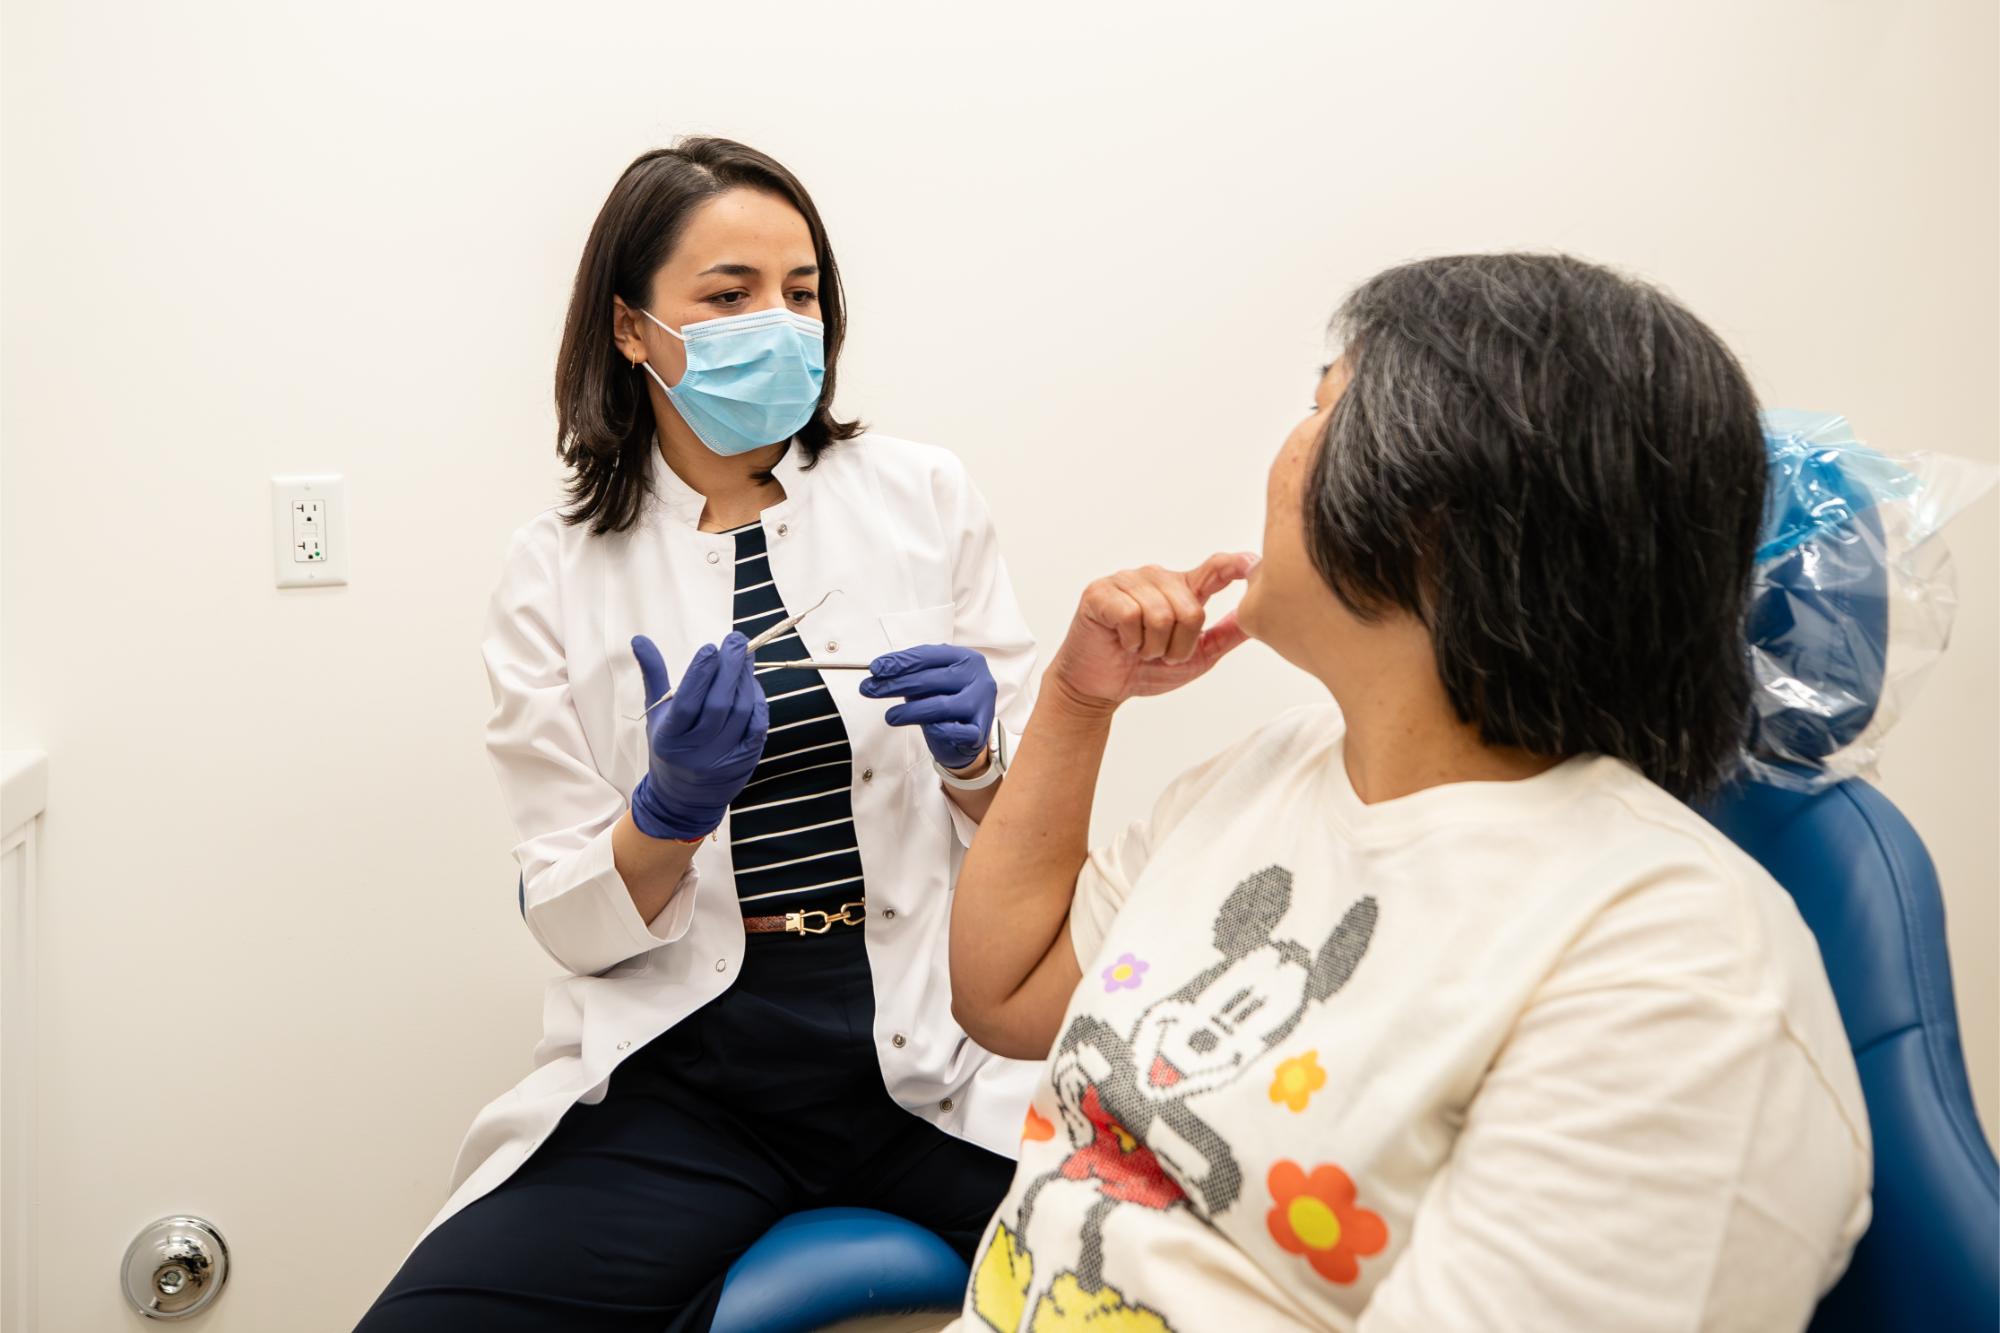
1297, 1080
1038, 1128
1316, 1217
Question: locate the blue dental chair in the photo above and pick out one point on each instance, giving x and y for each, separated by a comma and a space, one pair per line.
1930, 1261
817, 1268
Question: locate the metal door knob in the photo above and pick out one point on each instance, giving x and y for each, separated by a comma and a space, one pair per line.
175, 1268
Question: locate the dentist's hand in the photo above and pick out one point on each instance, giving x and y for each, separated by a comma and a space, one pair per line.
949, 693
703, 744
1144, 631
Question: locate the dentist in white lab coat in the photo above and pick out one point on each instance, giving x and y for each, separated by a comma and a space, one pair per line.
750, 890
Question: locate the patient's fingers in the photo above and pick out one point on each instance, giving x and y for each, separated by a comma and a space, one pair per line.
1173, 615
1188, 617
1156, 611
1225, 636
1220, 570
1157, 619
1172, 602
1109, 605
1221, 639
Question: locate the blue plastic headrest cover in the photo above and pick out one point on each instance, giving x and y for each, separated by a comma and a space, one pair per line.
1819, 608
1822, 479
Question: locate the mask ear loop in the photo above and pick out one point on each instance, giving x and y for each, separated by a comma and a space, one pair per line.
647, 365
656, 319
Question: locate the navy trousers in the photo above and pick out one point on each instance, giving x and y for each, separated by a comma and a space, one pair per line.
765, 1102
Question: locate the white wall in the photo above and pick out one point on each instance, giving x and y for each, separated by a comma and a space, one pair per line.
1091, 250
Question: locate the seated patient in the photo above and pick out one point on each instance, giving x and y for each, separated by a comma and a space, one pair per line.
1433, 1007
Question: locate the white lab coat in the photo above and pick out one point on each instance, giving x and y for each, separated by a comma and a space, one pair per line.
903, 535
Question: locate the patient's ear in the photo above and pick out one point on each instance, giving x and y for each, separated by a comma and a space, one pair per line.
1252, 911
1341, 953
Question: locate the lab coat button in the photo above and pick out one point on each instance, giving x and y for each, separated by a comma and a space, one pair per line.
867, 775
722, 964
715, 557
624, 1045
899, 1041
784, 528
889, 915
945, 1105
832, 647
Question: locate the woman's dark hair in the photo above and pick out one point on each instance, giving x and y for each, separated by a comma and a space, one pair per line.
1561, 472
604, 417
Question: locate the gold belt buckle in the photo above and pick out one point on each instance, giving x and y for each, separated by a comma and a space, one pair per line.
850, 914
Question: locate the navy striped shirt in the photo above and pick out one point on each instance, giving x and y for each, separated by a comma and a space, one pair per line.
791, 830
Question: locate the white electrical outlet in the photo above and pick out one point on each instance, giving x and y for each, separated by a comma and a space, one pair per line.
309, 530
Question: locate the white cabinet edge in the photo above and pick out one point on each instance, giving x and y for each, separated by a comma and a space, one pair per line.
24, 787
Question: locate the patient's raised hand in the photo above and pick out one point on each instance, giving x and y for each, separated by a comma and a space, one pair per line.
1146, 631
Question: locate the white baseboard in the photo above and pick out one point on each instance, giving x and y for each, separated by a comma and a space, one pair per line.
22, 788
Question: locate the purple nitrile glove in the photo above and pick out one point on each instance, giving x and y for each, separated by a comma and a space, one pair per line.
703, 744
950, 693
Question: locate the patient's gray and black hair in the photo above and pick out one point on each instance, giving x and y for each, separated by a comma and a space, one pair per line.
1561, 471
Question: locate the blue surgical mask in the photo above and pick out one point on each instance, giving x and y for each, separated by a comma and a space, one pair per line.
752, 380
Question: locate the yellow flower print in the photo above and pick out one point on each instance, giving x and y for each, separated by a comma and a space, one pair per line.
1297, 1080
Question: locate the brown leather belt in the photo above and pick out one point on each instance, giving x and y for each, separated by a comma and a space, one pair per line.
807, 923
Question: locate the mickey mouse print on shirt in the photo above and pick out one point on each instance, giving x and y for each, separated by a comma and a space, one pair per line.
1130, 1120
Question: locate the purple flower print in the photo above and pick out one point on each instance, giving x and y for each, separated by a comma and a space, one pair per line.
1125, 974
